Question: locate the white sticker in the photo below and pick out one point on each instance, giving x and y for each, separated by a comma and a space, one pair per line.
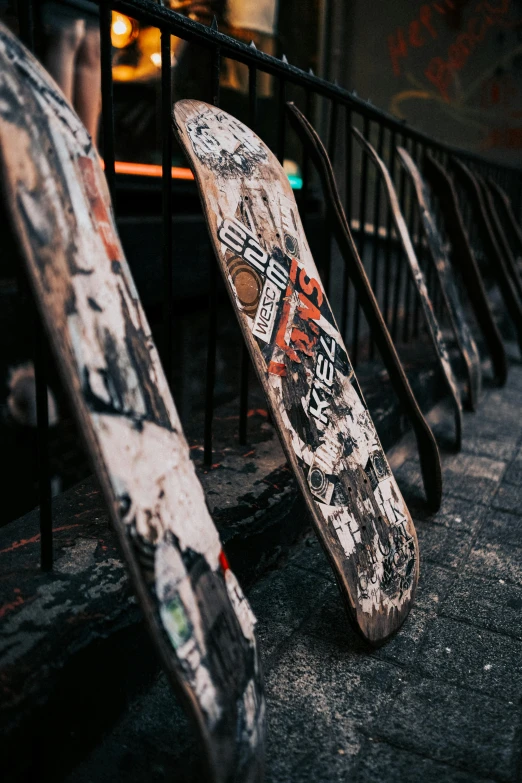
266, 312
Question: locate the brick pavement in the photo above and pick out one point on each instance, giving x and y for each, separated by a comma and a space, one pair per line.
441, 701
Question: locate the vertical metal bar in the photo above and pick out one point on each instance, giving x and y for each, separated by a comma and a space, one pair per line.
416, 301
363, 193
166, 182
400, 259
42, 416
408, 284
389, 244
26, 22
332, 142
305, 193
212, 303
245, 358
376, 221
107, 97
348, 210
332, 136
281, 122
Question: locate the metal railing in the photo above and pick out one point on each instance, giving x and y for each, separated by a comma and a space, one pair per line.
337, 110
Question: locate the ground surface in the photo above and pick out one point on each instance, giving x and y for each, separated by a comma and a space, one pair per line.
440, 702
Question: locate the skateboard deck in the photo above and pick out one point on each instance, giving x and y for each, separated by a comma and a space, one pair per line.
506, 208
493, 252
417, 276
426, 443
326, 430
201, 623
450, 295
464, 258
500, 236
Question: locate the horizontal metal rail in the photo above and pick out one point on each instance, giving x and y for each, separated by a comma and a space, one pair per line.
165, 19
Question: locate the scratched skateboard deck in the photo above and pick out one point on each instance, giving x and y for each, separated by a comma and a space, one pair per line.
417, 276
329, 438
506, 209
202, 625
426, 443
501, 237
448, 285
488, 239
464, 258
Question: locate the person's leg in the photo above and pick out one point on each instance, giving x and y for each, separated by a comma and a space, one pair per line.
87, 83
64, 37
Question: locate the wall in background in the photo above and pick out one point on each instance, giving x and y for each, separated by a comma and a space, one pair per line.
452, 68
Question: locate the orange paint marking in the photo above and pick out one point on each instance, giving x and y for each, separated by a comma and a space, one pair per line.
6, 608
257, 412
99, 208
276, 368
281, 331
302, 341
33, 540
308, 311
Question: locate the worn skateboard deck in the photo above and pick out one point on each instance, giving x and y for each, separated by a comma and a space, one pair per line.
496, 259
437, 251
506, 209
359, 514
464, 259
417, 276
500, 236
58, 202
426, 443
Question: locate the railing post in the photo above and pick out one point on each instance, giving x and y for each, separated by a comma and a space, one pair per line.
107, 97
166, 182
212, 304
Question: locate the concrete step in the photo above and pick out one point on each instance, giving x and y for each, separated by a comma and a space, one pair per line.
73, 650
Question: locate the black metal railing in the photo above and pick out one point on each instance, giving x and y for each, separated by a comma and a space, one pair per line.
338, 109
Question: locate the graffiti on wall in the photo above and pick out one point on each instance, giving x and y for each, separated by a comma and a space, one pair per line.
466, 56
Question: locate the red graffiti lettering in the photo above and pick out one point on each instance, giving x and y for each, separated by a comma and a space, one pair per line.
439, 74
397, 48
425, 17
415, 36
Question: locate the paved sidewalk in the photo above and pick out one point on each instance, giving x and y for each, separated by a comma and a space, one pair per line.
440, 702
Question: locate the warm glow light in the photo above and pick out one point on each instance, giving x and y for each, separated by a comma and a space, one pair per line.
178, 172
156, 59
119, 27
148, 169
123, 30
